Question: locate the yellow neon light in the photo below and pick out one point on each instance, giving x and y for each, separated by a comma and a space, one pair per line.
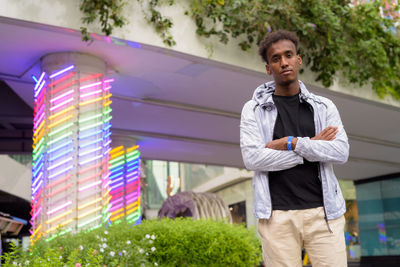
58, 226
133, 205
90, 101
40, 126
117, 217
37, 229
90, 212
61, 112
117, 154
60, 121
107, 96
108, 103
118, 148
59, 216
89, 203
132, 148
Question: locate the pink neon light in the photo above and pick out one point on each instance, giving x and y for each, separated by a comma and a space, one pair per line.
62, 71
89, 186
40, 80
59, 181
61, 96
118, 200
109, 80
131, 200
89, 86
91, 177
95, 36
107, 88
59, 208
37, 187
40, 111
59, 190
62, 79
62, 104
90, 168
36, 214
131, 195
114, 208
91, 93
93, 76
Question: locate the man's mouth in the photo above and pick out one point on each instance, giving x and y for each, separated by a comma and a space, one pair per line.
286, 72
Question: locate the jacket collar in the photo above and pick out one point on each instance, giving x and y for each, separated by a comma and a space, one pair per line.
263, 94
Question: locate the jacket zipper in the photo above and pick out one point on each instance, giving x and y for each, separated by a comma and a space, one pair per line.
323, 201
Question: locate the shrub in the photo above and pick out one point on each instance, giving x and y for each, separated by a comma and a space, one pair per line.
166, 242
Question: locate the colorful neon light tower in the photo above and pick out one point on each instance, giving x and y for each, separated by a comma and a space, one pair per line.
71, 145
124, 166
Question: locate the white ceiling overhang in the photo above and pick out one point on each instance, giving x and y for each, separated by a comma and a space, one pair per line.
181, 107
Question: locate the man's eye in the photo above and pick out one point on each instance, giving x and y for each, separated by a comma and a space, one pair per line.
275, 59
289, 55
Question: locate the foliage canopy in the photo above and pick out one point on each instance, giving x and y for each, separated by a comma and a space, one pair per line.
360, 43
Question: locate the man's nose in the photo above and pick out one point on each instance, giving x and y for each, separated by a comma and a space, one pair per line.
284, 62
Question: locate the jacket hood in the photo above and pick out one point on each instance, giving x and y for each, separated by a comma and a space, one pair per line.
262, 94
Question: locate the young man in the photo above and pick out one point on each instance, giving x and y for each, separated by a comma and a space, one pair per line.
291, 138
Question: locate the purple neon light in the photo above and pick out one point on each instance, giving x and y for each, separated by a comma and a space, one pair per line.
116, 201
62, 96
62, 71
129, 181
60, 172
90, 94
90, 160
62, 104
39, 121
37, 179
40, 88
89, 86
115, 187
89, 186
115, 181
40, 111
36, 214
132, 173
131, 199
39, 81
37, 187
59, 208
107, 88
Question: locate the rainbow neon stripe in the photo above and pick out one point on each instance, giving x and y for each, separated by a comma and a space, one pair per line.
124, 168
71, 145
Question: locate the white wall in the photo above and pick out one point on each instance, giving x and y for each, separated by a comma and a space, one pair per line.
64, 13
15, 178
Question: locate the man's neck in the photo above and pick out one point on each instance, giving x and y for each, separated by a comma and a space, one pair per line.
287, 90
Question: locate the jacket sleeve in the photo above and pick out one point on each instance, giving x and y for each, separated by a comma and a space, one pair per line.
255, 156
335, 151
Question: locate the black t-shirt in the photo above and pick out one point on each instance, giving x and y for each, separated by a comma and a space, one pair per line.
298, 187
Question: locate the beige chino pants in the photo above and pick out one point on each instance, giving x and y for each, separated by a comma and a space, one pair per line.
285, 234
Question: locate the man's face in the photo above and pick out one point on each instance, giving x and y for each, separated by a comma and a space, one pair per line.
283, 62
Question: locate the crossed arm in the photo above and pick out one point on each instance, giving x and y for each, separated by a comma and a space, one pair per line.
330, 145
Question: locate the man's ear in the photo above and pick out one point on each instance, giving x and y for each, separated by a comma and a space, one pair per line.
299, 59
268, 69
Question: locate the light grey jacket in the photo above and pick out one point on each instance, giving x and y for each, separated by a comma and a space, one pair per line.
256, 130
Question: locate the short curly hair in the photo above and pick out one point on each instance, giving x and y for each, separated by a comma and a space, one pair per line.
274, 37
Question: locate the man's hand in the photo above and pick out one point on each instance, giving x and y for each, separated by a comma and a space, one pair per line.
328, 134
278, 144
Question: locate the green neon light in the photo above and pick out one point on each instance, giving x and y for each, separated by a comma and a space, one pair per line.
59, 234
135, 152
38, 153
93, 228
89, 221
90, 126
118, 164
59, 138
108, 119
61, 129
133, 158
107, 111
38, 145
90, 118
116, 159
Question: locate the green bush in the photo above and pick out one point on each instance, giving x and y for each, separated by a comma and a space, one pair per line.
166, 242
